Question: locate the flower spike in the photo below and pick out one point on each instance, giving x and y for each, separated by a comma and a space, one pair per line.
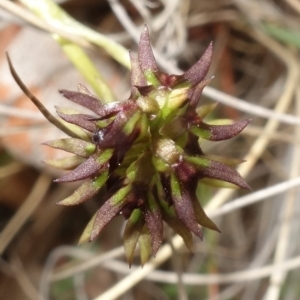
143, 154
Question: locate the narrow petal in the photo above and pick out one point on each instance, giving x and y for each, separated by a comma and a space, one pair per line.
132, 233
147, 59
90, 167
198, 71
203, 110
195, 94
201, 216
84, 90
110, 209
85, 236
137, 76
154, 222
221, 132
219, 183
184, 207
86, 100
86, 191
218, 170
171, 218
145, 245
73, 145
80, 120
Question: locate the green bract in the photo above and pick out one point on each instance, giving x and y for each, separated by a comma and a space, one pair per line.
144, 153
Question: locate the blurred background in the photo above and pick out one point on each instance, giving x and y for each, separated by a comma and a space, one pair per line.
256, 75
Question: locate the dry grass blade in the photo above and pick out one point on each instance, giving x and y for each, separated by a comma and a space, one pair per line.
33, 200
199, 279
38, 103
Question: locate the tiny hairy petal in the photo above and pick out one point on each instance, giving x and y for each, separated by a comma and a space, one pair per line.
220, 171
137, 76
86, 100
88, 168
65, 163
73, 145
198, 71
184, 207
146, 58
154, 222
145, 53
224, 132
80, 120
131, 234
86, 191
109, 210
